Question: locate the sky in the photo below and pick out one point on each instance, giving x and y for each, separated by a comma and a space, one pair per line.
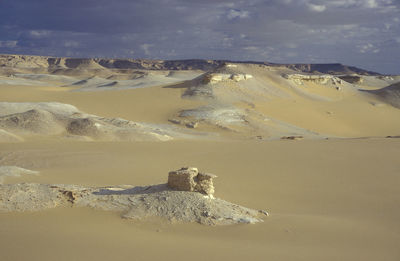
362, 33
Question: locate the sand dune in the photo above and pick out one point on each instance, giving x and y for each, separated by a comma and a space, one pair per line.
389, 94
145, 80
107, 80
14, 171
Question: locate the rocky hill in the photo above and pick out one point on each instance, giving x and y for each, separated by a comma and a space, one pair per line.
54, 64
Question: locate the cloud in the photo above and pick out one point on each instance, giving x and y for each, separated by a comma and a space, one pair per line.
371, 4
8, 44
39, 33
233, 13
69, 43
291, 45
316, 8
383, 5
251, 48
146, 48
368, 48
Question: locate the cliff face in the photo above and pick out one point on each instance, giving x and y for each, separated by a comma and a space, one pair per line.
52, 64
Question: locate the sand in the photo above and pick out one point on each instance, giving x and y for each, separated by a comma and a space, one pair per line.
328, 199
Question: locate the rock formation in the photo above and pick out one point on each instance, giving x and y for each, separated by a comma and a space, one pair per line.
218, 77
189, 179
194, 203
356, 79
319, 79
64, 120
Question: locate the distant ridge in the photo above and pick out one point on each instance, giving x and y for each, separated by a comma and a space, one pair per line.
53, 64
330, 68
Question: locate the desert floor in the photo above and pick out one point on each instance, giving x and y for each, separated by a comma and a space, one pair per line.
328, 199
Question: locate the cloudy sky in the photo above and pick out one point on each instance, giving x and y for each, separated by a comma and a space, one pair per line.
364, 33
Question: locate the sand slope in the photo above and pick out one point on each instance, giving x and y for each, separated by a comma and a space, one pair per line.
389, 94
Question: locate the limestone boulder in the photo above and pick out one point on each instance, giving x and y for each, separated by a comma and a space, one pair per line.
189, 179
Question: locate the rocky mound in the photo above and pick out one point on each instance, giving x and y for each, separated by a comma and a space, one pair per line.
33, 121
232, 91
175, 204
7, 108
83, 127
67, 121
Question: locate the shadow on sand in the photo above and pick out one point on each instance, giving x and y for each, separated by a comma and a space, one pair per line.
133, 191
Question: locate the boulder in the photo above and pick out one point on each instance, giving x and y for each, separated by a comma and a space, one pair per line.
183, 179
204, 183
189, 179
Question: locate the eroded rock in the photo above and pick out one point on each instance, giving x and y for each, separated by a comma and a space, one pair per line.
218, 77
192, 125
63, 120
183, 179
83, 126
319, 79
352, 79
189, 179
186, 198
292, 138
204, 183
184, 122
132, 202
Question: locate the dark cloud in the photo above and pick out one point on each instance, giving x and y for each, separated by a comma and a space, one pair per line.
364, 33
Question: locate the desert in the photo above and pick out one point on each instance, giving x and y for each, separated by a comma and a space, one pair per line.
91, 152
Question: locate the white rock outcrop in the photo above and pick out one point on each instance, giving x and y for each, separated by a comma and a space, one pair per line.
319, 79
186, 198
218, 77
